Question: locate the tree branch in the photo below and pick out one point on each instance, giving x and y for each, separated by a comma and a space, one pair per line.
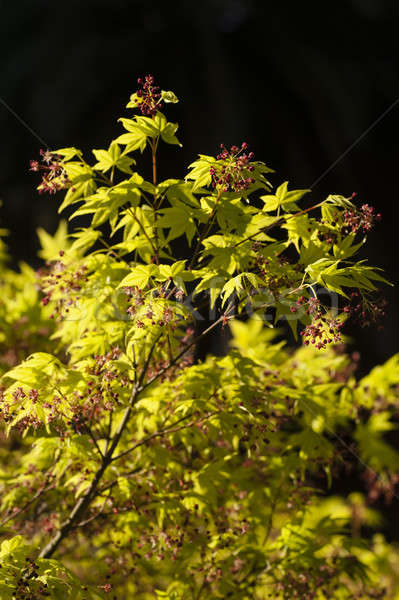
93, 439
171, 429
188, 346
83, 503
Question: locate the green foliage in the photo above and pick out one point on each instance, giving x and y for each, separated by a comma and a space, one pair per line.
27, 577
152, 476
25, 322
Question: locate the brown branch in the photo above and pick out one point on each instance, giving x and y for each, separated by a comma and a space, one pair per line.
188, 346
93, 439
84, 501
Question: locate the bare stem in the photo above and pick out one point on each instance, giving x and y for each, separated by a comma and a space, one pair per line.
154, 145
206, 230
173, 428
187, 347
142, 229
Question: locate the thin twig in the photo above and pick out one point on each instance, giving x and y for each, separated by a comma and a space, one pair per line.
279, 222
206, 230
39, 493
90, 519
171, 429
130, 210
93, 439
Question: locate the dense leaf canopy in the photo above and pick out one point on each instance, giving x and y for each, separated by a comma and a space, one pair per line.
147, 474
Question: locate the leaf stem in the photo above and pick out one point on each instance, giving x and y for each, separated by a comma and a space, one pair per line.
206, 230
171, 429
154, 146
279, 222
142, 229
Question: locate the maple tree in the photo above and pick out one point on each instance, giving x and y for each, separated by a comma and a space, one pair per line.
128, 469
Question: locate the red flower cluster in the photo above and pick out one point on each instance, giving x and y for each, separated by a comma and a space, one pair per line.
69, 283
102, 394
381, 485
322, 332
323, 329
232, 173
54, 177
136, 300
361, 220
305, 585
365, 311
20, 396
149, 96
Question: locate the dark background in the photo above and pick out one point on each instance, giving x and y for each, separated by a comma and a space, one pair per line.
301, 82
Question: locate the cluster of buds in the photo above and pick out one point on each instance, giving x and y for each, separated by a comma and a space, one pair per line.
167, 317
305, 585
170, 374
83, 416
105, 372
20, 397
103, 360
162, 544
148, 95
233, 171
384, 485
29, 586
361, 220
327, 236
69, 283
103, 389
323, 329
274, 271
365, 311
135, 297
53, 410
140, 309
322, 332
311, 307
54, 176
